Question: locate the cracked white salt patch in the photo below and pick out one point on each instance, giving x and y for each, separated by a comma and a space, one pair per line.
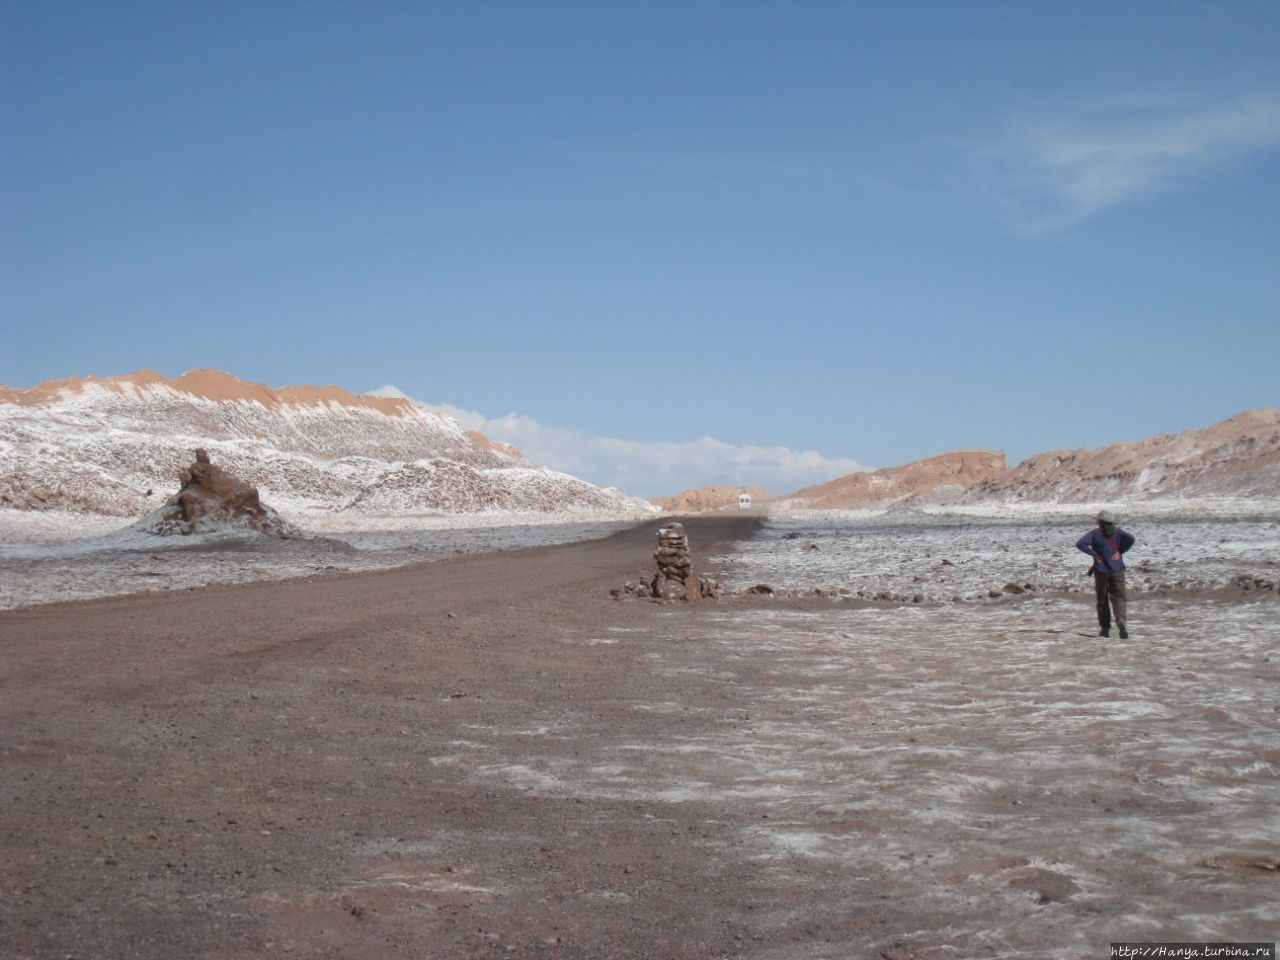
418, 883
1078, 786
525, 777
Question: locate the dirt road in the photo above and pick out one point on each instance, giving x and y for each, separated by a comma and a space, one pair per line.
272, 769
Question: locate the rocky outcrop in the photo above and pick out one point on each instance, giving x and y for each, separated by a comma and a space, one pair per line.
211, 500
944, 477
703, 499
1238, 457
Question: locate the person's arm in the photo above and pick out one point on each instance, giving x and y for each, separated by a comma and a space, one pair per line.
1125, 541
1085, 545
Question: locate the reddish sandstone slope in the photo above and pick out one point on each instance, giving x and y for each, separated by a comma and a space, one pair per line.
1237, 457
701, 499
945, 475
207, 384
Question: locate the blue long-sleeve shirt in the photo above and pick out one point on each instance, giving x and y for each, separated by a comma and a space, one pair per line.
1110, 549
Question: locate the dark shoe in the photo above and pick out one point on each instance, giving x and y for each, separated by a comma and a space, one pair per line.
1104, 632
1124, 634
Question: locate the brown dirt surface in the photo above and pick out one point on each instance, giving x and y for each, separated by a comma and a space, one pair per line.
489, 757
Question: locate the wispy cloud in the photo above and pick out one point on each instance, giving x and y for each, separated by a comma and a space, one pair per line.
658, 468
1050, 173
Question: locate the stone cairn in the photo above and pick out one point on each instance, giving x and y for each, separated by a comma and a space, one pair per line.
675, 566
675, 579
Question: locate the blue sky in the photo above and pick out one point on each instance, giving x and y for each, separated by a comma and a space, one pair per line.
661, 244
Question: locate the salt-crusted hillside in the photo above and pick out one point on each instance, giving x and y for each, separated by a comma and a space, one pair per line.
1239, 457
115, 445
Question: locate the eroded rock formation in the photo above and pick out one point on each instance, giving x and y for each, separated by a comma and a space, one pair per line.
210, 500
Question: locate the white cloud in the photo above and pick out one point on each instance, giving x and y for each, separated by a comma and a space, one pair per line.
1053, 173
661, 468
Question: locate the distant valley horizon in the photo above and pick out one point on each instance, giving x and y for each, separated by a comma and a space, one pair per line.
110, 445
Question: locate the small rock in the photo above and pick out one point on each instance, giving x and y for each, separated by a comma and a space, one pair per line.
1047, 886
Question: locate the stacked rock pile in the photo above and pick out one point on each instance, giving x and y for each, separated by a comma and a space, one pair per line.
675, 566
675, 579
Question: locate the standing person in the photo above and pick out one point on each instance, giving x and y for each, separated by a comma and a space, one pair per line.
1107, 545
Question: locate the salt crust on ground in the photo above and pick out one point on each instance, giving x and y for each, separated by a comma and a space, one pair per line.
51, 556
950, 557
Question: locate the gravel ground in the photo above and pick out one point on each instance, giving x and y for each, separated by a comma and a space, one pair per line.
488, 757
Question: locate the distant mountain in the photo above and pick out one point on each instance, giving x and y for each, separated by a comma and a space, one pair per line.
1237, 457
114, 446
944, 477
713, 497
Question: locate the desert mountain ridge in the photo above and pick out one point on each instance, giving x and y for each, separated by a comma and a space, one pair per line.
1238, 457
207, 384
945, 476
115, 446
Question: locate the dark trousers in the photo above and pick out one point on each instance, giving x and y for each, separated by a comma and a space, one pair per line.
1110, 590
